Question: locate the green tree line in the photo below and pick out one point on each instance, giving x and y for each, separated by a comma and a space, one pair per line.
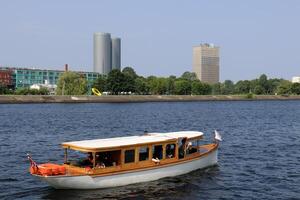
187, 84
128, 82
23, 91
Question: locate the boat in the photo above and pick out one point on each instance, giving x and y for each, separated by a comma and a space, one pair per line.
119, 161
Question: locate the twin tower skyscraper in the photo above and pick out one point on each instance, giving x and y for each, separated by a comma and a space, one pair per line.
107, 53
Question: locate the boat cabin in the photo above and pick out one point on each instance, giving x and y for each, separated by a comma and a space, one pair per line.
133, 152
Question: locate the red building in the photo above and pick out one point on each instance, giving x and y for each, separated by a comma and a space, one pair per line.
6, 77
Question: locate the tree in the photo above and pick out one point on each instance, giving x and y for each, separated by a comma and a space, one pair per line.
259, 90
171, 85
273, 85
253, 84
263, 83
128, 71
141, 86
227, 87
115, 81
157, 85
71, 83
182, 87
285, 87
216, 89
4, 89
207, 89
296, 88
161, 85
189, 76
101, 83
129, 79
242, 87
198, 88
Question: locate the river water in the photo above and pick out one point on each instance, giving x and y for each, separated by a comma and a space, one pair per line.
259, 157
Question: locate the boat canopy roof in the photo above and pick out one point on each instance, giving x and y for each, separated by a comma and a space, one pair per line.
118, 142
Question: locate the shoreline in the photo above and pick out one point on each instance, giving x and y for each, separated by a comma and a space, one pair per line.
21, 99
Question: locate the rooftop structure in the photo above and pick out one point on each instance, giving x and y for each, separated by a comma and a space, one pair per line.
206, 63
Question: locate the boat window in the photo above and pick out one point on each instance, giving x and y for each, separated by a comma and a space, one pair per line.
129, 155
108, 158
143, 153
157, 151
191, 147
198, 144
170, 150
80, 159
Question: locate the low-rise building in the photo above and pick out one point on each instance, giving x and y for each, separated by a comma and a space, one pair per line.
26, 77
6, 77
296, 79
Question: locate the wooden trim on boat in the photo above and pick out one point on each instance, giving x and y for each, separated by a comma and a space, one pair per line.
140, 165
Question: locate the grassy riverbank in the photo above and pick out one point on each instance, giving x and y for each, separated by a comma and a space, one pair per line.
136, 98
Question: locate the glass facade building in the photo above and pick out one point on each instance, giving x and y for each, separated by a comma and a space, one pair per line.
25, 77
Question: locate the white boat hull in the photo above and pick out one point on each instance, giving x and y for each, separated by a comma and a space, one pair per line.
94, 182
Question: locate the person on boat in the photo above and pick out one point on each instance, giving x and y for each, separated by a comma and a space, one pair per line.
106, 160
190, 148
88, 161
90, 157
169, 151
99, 161
182, 148
100, 165
158, 151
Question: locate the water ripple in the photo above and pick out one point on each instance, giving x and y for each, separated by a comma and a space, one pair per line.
259, 157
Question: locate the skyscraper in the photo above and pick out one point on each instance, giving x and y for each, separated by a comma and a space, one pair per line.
116, 53
206, 63
107, 53
102, 53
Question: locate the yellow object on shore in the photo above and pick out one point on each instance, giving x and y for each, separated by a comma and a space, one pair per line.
96, 92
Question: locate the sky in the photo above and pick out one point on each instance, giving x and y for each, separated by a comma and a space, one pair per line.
254, 37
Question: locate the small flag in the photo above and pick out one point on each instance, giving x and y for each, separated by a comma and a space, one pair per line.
218, 136
32, 162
